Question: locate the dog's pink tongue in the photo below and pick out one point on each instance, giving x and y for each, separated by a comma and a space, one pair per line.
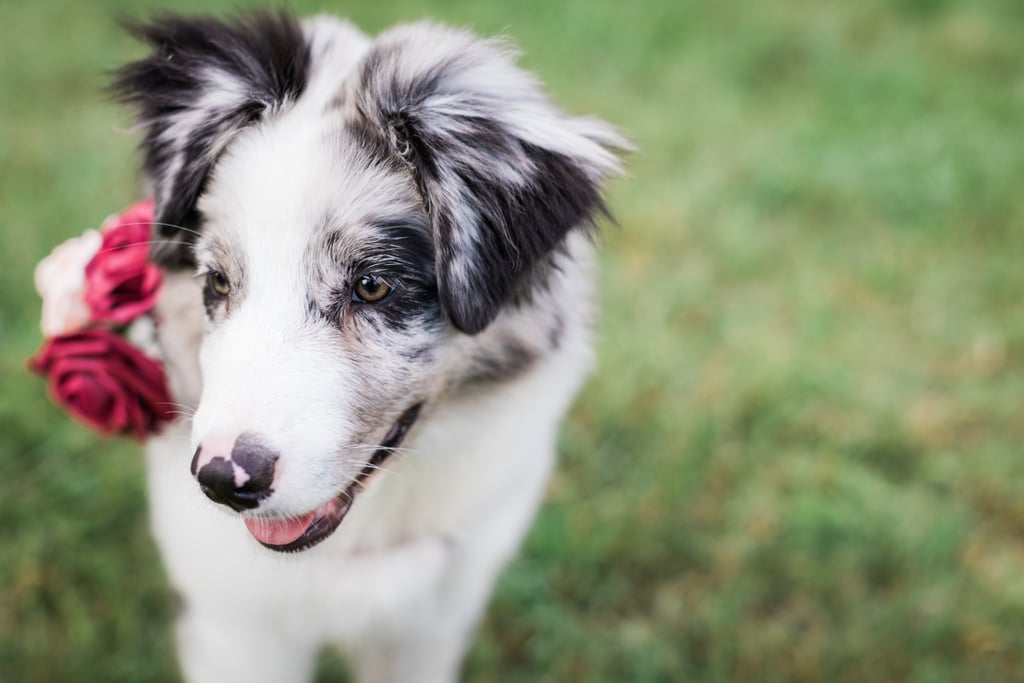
279, 531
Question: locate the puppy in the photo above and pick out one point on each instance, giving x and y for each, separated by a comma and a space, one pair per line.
377, 302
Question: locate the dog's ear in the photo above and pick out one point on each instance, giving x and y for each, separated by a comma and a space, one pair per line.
504, 175
203, 81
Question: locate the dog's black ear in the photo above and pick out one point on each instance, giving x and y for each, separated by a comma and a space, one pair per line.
504, 175
203, 81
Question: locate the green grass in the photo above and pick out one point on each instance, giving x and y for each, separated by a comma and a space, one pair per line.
800, 458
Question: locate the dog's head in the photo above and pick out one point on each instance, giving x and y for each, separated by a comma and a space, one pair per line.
352, 206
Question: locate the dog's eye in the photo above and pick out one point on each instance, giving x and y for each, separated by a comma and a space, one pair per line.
218, 284
369, 289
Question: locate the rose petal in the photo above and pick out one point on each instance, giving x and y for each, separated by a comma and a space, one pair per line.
121, 282
105, 382
86, 399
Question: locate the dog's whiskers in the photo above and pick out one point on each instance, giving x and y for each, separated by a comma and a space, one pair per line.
186, 412
184, 409
176, 227
367, 465
377, 447
164, 225
379, 469
137, 244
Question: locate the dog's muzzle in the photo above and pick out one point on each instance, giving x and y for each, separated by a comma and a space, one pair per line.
245, 477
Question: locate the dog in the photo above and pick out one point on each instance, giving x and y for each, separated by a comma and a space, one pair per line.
378, 303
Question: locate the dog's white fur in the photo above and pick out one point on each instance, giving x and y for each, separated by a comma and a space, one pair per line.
400, 584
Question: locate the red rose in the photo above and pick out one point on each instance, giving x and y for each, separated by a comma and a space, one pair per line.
120, 282
105, 382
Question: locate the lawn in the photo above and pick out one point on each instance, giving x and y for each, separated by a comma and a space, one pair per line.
800, 456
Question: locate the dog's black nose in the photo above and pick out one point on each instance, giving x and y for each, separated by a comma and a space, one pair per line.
240, 480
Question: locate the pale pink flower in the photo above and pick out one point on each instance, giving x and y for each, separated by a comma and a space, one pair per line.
60, 280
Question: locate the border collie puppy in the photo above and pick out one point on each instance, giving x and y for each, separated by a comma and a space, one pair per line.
377, 302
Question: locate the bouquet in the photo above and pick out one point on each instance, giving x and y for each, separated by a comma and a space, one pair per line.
94, 287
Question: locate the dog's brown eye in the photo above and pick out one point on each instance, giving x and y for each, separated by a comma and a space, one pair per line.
218, 284
369, 289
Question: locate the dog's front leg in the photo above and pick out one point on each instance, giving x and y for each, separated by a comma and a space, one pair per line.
240, 648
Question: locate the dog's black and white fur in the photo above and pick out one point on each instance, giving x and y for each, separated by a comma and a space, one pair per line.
377, 302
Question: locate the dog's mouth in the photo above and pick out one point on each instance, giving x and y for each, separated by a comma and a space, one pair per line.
292, 534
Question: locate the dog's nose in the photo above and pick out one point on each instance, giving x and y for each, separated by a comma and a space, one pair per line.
239, 480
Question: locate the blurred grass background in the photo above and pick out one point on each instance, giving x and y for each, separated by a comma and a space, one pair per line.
800, 456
